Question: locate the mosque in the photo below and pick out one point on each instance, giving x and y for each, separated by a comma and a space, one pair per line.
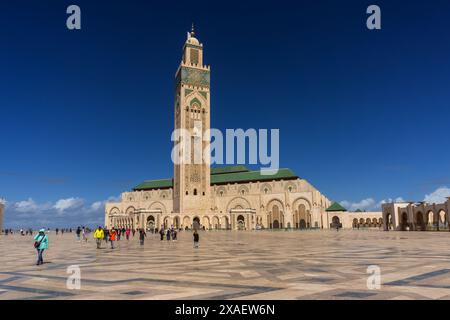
230, 197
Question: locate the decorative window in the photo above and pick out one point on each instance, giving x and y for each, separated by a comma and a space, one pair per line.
195, 192
194, 56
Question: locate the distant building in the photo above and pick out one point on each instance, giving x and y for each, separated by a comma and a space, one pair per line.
420, 216
338, 216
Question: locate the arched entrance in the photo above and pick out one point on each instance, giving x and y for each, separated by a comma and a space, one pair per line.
196, 223
216, 223
276, 217
388, 221
443, 223
404, 223
275, 224
206, 224
166, 223
430, 220
186, 222
420, 222
176, 222
241, 222
225, 223
302, 224
150, 222
335, 222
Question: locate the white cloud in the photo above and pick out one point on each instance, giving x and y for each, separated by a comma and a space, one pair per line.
68, 204
97, 205
438, 196
29, 213
26, 206
368, 204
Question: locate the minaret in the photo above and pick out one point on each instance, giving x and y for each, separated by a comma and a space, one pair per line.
192, 113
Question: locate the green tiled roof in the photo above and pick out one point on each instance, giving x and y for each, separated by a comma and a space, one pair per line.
336, 207
251, 176
154, 184
228, 169
224, 175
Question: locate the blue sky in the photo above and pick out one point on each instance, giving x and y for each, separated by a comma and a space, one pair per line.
363, 115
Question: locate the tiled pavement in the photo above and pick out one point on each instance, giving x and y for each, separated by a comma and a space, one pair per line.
234, 265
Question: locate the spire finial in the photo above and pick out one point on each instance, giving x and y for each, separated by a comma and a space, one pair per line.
192, 30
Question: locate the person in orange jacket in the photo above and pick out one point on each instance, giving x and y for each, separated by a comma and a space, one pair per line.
113, 237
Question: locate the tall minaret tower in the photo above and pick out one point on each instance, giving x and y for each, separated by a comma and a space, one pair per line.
192, 113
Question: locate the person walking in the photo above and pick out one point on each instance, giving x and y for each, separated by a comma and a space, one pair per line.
84, 235
98, 236
127, 234
78, 233
40, 243
174, 235
142, 236
112, 237
168, 235
196, 239
161, 233
106, 234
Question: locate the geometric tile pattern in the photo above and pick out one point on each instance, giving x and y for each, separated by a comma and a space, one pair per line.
313, 264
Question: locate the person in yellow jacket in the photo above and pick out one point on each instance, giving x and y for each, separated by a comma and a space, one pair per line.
98, 236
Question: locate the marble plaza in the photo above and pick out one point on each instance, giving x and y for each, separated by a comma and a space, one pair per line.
312, 264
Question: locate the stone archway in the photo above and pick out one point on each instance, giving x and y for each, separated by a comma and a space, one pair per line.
301, 211
215, 223
404, 221
225, 223
302, 224
196, 223
420, 222
430, 220
166, 222
336, 222
240, 222
442, 220
206, 223
275, 214
186, 222
176, 222
388, 225
151, 223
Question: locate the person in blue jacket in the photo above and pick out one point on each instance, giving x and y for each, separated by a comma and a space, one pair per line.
41, 243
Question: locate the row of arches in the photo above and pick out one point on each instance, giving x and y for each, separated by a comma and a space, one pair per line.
367, 223
419, 221
215, 222
422, 222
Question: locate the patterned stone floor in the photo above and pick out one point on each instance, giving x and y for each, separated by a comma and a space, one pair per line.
234, 265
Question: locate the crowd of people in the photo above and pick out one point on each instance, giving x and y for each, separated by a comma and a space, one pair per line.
113, 235
101, 234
